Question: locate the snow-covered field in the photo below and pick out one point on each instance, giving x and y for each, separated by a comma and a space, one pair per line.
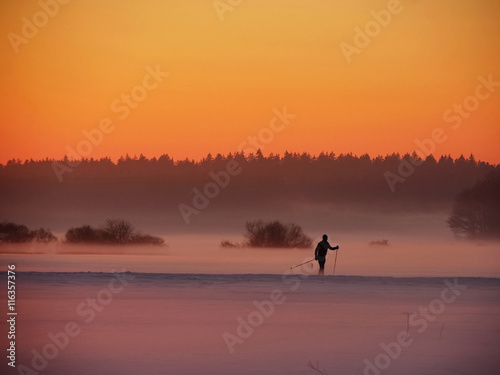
193, 307
154, 323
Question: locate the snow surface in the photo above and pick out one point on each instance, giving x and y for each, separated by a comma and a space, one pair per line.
174, 324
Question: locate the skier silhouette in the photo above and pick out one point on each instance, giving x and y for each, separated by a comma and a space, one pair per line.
320, 253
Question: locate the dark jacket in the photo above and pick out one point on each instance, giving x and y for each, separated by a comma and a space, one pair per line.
322, 249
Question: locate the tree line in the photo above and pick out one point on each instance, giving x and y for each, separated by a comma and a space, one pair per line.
323, 178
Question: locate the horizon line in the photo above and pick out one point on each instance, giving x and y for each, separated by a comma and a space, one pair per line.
329, 154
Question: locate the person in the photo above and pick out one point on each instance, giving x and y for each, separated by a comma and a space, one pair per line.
320, 253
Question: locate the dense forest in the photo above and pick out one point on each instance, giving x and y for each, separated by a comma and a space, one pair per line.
236, 181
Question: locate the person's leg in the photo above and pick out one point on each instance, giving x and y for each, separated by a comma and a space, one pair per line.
321, 267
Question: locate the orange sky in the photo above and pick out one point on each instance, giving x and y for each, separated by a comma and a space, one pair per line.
226, 76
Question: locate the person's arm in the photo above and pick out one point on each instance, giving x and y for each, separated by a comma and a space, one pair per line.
332, 248
316, 253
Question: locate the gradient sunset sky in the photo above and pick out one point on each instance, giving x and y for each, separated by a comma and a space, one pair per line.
228, 71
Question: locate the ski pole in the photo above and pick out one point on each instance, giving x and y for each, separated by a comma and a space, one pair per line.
302, 263
335, 262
